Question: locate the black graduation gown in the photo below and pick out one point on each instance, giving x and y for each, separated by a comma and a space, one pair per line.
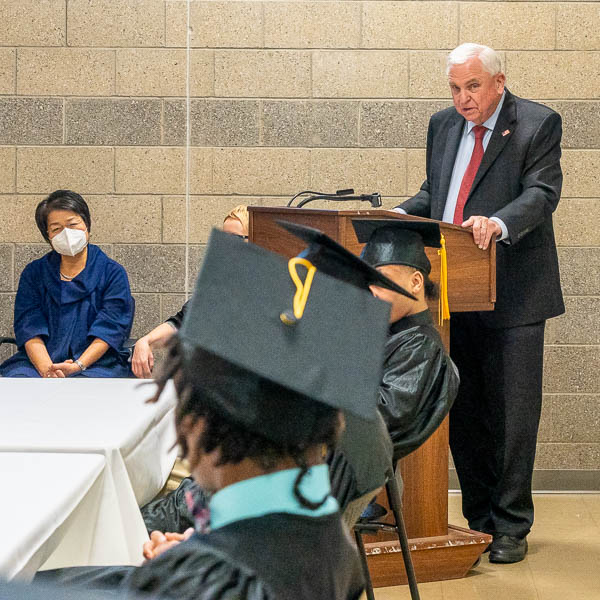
359, 463
278, 556
420, 382
177, 319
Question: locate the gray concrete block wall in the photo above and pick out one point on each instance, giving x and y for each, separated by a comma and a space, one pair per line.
286, 95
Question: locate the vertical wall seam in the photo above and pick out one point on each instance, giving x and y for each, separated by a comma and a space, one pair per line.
312, 83
165, 23
64, 121
162, 219
187, 147
262, 18
162, 121
260, 116
458, 22
556, 27
16, 167
359, 122
408, 67
13, 275
16, 70
361, 20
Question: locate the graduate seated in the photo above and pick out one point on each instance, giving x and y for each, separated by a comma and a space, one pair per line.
236, 223
73, 309
359, 462
420, 381
255, 410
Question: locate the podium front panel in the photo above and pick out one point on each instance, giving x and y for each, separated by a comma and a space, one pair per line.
471, 271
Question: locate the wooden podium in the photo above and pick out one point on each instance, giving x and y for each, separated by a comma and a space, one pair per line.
439, 551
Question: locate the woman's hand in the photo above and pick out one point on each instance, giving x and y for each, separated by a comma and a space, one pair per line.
161, 542
142, 361
51, 373
64, 369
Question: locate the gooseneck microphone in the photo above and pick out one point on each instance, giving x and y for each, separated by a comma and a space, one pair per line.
346, 195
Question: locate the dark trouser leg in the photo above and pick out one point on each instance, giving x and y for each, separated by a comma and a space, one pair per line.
92, 578
471, 439
518, 365
493, 424
171, 512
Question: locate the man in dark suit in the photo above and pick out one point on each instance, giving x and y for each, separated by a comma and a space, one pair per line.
493, 164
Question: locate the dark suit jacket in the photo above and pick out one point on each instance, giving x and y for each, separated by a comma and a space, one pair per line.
519, 181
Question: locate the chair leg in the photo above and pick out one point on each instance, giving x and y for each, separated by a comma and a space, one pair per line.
363, 560
393, 493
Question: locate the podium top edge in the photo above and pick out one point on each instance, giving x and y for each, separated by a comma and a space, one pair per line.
372, 213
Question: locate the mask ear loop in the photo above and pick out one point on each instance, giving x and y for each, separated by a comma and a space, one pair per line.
302, 289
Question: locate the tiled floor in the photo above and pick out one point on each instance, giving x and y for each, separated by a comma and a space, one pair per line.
563, 561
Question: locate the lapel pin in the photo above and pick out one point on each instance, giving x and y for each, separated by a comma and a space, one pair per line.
505, 132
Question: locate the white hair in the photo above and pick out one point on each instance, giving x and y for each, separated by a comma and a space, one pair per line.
490, 59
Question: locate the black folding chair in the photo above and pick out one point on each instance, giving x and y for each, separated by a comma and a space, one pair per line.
8, 341
371, 526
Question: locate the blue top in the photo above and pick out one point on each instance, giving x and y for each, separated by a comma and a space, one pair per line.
273, 493
69, 315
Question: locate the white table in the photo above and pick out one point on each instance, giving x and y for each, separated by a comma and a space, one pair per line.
97, 416
44, 504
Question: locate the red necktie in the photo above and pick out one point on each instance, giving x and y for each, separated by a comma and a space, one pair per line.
469, 176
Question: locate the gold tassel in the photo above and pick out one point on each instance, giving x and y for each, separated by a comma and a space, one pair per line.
302, 289
443, 306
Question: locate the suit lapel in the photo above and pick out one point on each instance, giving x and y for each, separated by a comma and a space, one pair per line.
452, 143
505, 123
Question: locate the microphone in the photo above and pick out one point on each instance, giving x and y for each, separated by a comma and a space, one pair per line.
374, 199
345, 195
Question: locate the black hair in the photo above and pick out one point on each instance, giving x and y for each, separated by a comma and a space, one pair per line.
61, 200
432, 291
235, 441
430, 288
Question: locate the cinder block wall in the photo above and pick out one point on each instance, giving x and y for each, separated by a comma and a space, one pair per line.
286, 96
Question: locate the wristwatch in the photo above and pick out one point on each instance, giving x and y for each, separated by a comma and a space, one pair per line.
81, 366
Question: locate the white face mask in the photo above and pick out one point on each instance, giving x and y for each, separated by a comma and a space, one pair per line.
69, 241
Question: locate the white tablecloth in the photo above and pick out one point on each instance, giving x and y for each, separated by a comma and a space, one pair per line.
43, 505
98, 416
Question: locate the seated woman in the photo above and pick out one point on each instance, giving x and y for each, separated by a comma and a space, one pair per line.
73, 309
142, 362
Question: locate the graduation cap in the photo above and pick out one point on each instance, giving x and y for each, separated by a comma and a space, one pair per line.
396, 242
331, 258
399, 242
266, 371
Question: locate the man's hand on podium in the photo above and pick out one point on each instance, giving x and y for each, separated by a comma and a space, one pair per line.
483, 230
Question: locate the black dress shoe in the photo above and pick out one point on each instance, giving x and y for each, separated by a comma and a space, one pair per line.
507, 549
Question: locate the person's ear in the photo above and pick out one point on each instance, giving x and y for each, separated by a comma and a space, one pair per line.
500, 80
417, 281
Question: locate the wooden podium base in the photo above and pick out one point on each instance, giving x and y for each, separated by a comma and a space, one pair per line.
434, 558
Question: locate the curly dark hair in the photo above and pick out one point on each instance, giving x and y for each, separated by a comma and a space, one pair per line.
234, 440
61, 200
